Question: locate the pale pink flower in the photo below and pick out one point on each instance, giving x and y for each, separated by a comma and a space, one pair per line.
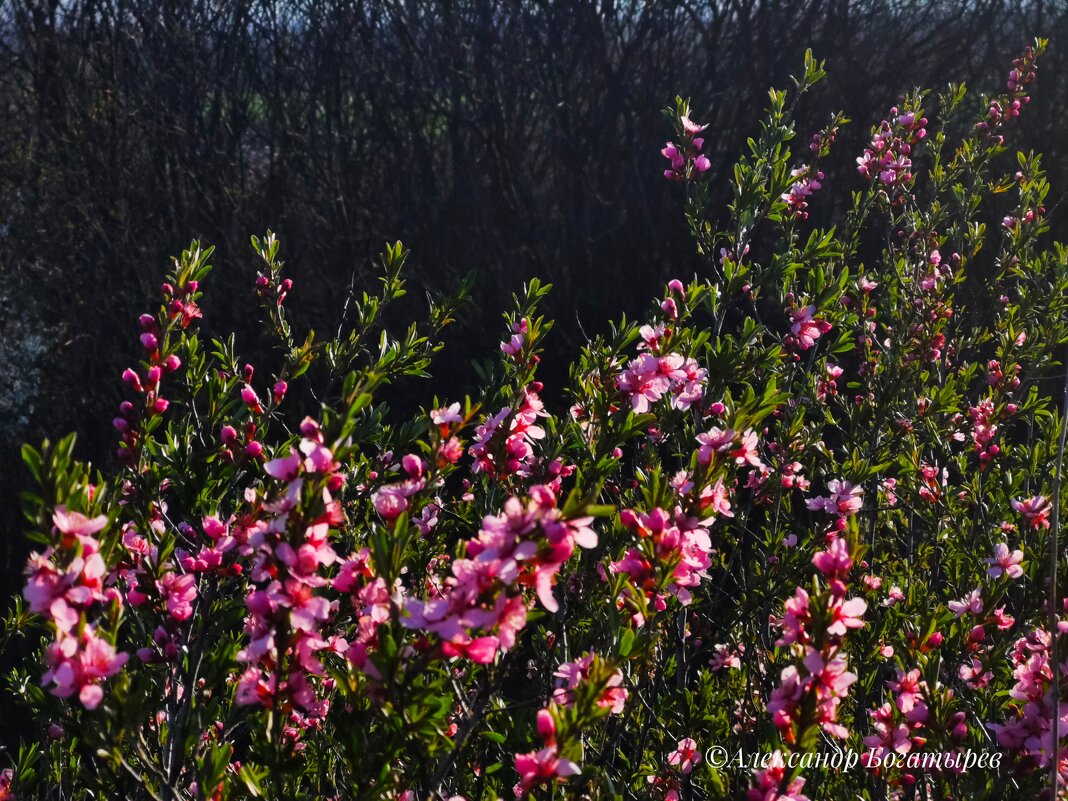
1004, 561
685, 756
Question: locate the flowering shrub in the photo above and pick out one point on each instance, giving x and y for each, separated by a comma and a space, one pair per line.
805, 507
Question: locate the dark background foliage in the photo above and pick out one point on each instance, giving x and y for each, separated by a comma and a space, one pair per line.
510, 138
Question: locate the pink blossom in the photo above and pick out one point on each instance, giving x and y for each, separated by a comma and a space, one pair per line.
1005, 562
180, 590
446, 415
77, 664
806, 328
685, 756
1035, 511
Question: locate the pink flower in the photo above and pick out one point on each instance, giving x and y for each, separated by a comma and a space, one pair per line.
1035, 511
446, 415
685, 756
846, 615
715, 441
797, 618
690, 127
572, 674
806, 328
1005, 562
768, 784
251, 399
836, 561
76, 524
539, 767
844, 500
390, 502
972, 604
180, 590
285, 468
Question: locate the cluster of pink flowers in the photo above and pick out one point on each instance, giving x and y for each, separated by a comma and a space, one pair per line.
544, 766
668, 305
571, 674
477, 611
687, 160
1007, 107
513, 346
285, 614
65, 583
649, 377
937, 270
1028, 735
890, 734
372, 604
213, 555
984, 430
676, 540
504, 443
1035, 511
815, 627
828, 387
888, 157
730, 445
680, 762
806, 182
269, 288
844, 499
160, 363
770, 783
805, 328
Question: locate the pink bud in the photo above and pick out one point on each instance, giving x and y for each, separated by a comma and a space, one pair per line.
131, 378
280, 389
675, 285
254, 449
228, 435
546, 726
149, 341
147, 321
171, 363
159, 406
413, 465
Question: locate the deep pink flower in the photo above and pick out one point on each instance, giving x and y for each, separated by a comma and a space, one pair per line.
1035, 511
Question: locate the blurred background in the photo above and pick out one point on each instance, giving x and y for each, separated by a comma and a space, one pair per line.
512, 138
